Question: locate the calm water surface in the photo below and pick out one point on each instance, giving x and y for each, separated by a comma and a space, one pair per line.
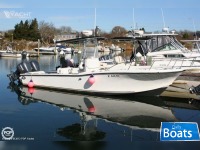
39, 115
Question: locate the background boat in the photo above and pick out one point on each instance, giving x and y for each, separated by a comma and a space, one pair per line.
10, 53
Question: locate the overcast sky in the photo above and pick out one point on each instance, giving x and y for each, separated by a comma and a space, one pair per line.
80, 14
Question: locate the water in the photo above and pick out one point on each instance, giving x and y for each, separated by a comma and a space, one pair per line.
40, 116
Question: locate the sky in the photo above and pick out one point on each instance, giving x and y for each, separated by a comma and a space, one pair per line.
80, 14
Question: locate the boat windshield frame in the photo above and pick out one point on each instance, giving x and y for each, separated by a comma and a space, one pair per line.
159, 43
90, 49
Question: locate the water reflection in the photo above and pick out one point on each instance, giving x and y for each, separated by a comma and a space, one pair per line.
136, 117
48, 62
8, 64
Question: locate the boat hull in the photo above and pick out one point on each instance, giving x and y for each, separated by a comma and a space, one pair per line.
47, 51
10, 55
107, 83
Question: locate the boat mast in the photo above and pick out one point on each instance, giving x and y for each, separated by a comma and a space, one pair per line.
95, 20
133, 19
134, 49
95, 28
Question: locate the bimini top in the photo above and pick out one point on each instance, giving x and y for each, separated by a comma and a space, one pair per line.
82, 39
131, 38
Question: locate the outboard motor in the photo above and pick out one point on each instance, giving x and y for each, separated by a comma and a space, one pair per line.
34, 65
13, 76
23, 67
195, 90
24, 54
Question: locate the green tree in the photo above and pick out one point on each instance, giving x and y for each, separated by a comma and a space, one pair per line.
185, 36
34, 30
18, 32
27, 30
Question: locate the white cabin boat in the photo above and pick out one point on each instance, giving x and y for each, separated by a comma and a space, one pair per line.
161, 50
165, 48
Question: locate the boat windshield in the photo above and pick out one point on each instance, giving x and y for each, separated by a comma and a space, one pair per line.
163, 43
90, 49
166, 47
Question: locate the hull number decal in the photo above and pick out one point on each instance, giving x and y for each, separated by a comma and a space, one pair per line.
113, 75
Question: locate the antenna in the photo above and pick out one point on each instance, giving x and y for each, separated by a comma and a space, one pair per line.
195, 31
165, 29
163, 18
95, 20
133, 18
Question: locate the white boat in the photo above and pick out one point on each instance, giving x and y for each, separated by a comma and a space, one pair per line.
3, 51
10, 53
67, 50
116, 49
47, 50
165, 47
92, 77
103, 49
161, 50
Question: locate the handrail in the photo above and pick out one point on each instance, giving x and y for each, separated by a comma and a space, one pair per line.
182, 62
169, 62
152, 65
192, 62
174, 63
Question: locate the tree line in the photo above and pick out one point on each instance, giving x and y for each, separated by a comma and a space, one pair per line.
32, 30
27, 30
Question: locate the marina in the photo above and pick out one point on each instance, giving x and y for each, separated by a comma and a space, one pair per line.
101, 97
130, 117
91, 77
78, 75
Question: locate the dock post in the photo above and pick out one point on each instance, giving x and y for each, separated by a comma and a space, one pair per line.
38, 47
55, 51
